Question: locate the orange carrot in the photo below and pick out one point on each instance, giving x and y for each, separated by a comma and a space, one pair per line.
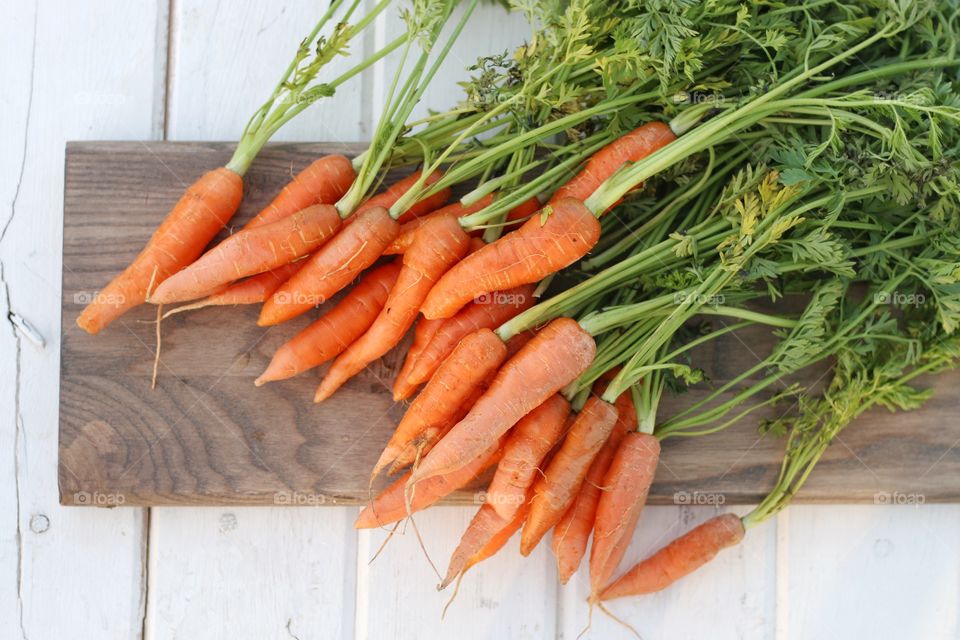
525, 209
252, 251
201, 212
527, 445
556, 489
554, 357
632, 147
572, 533
423, 332
332, 267
489, 310
477, 355
454, 210
439, 244
625, 489
683, 556
328, 336
524, 256
323, 181
485, 535
388, 198
390, 505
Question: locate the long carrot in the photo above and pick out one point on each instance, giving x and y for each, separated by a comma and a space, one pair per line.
625, 489
486, 534
454, 210
556, 489
632, 147
204, 209
423, 332
440, 243
252, 251
391, 504
323, 181
487, 311
524, 256
328, 336
571, 535
332, 267
554, 357
528, 443
477, 355
681, 557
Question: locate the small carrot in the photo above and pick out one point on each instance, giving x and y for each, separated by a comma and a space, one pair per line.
391, 504
388, 198
252, 290
477, 356
527, 445
525, 209
486, 534
632, 147
524, 256
332, 267
571, 534
487, 311
202, 211
625, 488
439, 244
328, 336
556, 489
554, 357
454, 210
681, 557
252, 251
323, 181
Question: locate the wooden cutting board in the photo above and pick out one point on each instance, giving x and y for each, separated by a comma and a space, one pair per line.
207, 436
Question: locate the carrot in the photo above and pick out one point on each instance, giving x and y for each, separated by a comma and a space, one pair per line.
625, 488
454, 210
556, 489
527, 445
252, 251
323, 181
328, 336
423, 332
389, 197
485, 535
487, 311
524, 256
332, 267
525, 209
477, 356
684, 555
554, 357
632, 147
439, 244
391, 504
572, 533
204, 209
255, 289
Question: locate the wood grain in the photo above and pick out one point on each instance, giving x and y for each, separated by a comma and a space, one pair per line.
205, 435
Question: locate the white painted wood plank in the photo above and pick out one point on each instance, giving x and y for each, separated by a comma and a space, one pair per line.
227, 57
732, 597
251, 573
505, 597
871, 572
70, 71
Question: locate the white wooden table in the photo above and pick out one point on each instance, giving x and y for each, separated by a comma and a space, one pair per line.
193, 70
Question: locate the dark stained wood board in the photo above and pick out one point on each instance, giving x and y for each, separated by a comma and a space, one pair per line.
207, 436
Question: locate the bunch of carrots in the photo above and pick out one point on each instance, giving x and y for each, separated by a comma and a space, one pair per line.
817, 166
